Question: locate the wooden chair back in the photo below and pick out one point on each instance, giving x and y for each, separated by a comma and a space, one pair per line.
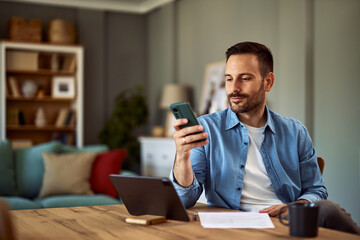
321, 163
6, 228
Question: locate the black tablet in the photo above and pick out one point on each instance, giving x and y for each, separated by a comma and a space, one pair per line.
149, 195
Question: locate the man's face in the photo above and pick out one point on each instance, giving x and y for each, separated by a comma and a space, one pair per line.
244, 85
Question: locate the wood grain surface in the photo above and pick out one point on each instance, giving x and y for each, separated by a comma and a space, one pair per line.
108, 222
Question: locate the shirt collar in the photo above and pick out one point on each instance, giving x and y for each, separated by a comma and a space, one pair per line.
232, 120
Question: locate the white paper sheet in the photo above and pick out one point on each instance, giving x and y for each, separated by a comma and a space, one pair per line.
235, 220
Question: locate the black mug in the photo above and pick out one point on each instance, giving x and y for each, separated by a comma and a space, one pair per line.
303, 219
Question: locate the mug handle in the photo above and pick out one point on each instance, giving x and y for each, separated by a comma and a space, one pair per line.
281, 218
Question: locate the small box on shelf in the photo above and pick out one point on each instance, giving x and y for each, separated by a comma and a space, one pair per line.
21, 143
22, 60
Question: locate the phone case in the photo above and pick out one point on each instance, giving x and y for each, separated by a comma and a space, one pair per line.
183, 110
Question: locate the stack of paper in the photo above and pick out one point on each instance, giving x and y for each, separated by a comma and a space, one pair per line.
235, 220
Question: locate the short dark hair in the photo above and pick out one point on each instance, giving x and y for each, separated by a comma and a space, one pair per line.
263, 54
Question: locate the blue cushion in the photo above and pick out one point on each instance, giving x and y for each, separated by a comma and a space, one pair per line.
7, 176
30, 167
90, 148
76, 200
18, 203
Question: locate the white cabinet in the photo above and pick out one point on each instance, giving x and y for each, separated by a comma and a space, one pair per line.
157, 156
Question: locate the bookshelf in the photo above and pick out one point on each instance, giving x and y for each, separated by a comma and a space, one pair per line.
46, 78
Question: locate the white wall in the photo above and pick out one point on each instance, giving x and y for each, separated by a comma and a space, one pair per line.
316, 48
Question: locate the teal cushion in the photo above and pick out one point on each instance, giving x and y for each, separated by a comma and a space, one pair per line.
76, 201
128, 173
18, 203
90, 148
30, 167
7, 176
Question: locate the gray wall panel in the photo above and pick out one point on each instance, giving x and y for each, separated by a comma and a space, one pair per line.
92, 37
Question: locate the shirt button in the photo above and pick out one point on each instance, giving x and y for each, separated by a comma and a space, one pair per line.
245, 143
242, 166
238, 188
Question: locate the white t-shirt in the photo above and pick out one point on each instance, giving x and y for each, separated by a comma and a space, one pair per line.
258, 192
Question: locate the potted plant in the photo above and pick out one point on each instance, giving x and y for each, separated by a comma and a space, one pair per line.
129, 113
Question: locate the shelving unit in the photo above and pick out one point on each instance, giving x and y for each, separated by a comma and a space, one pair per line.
44, 71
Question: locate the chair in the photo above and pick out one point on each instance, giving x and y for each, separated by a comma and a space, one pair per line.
321, 163
6, 228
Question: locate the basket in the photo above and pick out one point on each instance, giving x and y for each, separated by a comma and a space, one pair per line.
20, 30
61, 32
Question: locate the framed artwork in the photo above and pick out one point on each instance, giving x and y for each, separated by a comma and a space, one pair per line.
169, 129
213, 96
63, 87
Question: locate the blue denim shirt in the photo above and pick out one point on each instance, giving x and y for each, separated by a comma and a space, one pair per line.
219, 167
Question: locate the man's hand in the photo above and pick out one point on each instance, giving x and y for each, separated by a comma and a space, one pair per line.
185, 140
273, 210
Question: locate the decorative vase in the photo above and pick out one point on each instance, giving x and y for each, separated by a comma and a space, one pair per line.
40, 119
29, 88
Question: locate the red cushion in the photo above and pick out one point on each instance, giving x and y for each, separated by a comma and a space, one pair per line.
105, 164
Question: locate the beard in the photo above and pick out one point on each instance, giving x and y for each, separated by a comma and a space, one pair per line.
249, 103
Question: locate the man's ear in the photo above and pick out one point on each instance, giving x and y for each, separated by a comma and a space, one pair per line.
269, 81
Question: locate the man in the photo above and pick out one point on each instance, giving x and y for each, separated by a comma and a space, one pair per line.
253, 159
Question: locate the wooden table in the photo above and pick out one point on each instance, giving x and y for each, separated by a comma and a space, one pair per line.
108, 222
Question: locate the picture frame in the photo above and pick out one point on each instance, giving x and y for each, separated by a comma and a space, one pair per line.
169, 129
63, 87
213, 96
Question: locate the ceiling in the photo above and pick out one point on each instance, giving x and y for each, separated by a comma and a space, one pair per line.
130, 6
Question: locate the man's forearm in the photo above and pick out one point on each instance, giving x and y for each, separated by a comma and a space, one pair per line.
183, 173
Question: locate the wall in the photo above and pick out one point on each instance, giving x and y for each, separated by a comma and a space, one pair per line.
114, 54
316, 52
337, 99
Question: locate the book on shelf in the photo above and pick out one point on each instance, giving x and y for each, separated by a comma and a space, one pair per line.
70, 139
21, 143
72, 122
14, 87
22, 120
12, 116
8, 90
69, 117
64, 138
61, 118
69, 63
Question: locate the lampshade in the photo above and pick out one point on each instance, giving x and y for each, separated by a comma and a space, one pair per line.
173, 93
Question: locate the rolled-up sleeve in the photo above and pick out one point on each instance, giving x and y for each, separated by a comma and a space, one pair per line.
189, 195
312, 182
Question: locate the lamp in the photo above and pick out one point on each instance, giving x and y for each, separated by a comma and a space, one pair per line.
172, 93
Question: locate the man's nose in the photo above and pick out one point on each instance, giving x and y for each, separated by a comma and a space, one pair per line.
235, 86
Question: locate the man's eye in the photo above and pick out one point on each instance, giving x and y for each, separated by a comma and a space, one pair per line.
245, 78
228, 79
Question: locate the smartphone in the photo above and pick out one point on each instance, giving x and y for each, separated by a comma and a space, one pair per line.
183, 110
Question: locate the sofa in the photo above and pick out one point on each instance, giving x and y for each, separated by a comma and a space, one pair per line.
52, 175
